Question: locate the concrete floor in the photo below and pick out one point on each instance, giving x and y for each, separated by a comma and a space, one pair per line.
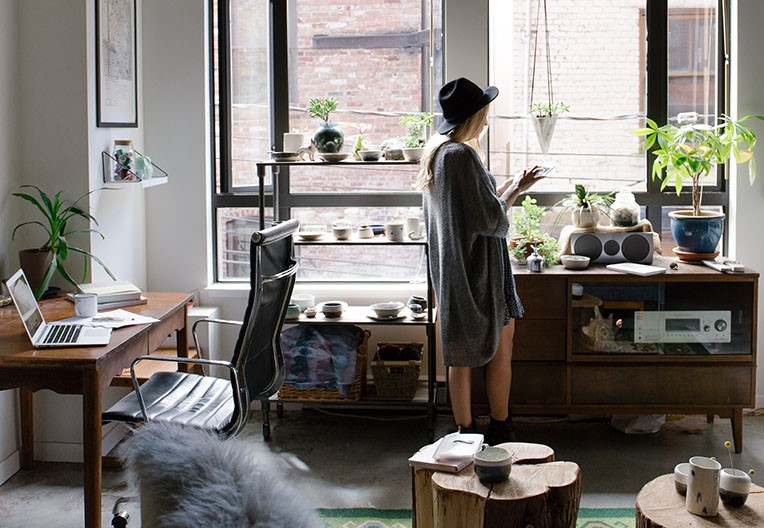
340, 461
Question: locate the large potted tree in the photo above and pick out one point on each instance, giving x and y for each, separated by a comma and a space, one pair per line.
689, 152
40, 264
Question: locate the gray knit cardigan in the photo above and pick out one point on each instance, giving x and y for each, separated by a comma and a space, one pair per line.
467, 227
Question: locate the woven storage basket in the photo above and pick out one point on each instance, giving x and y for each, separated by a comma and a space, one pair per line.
287, 392
396, 380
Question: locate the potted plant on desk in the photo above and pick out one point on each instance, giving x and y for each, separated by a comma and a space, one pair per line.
584, 207
689, 152
42, 263
526, 225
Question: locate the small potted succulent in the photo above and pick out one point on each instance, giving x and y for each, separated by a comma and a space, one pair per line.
329, 138
526, 225
585, 207
414, 140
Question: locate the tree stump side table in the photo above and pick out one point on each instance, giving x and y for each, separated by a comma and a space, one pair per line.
660, 506
539, 491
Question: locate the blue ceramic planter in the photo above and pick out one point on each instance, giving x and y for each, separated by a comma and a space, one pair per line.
697, 234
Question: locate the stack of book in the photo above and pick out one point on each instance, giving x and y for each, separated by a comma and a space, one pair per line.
116, 294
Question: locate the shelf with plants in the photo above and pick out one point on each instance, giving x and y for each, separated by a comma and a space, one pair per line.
426, 393
130, 176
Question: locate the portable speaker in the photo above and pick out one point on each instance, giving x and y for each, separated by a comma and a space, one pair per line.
607, 248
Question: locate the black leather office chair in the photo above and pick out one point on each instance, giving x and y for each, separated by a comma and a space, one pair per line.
256, 368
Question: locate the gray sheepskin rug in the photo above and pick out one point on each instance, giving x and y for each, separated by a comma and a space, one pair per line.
189, 478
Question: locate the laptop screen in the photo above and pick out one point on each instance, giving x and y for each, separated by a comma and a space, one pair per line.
25, 302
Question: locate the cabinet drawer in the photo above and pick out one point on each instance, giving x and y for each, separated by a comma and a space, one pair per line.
539, 340
543, 296
538, 383
662, 385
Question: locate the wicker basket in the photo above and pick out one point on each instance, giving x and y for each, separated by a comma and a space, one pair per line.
396, 380
287, 392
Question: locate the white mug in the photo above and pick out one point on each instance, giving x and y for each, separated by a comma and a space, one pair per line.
394, 231
293, 141
85, 304
414, 228
703, 486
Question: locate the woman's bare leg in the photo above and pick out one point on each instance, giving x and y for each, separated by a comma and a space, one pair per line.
459, 387
498, 374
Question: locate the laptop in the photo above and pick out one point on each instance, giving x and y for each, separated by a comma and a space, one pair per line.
45, 335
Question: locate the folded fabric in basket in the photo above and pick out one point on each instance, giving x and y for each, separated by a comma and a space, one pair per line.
321, 356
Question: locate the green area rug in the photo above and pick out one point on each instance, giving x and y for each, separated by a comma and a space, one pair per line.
370, 518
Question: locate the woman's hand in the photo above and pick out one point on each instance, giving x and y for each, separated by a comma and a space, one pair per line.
513, 187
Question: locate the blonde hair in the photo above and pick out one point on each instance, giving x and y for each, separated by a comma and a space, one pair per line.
467, 132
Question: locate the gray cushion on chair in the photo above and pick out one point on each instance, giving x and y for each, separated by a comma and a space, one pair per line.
189, 478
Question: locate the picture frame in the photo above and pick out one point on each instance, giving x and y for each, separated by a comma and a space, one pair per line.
116, 64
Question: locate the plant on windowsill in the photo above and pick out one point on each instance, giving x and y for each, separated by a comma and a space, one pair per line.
584, 207
689, 152
41, 264
526, 225
544, 117
414, 140
329, 138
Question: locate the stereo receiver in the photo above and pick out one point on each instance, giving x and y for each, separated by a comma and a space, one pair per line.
690, 326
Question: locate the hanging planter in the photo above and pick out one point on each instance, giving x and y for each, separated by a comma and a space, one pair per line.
544, 114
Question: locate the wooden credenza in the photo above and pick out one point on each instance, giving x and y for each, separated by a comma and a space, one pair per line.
559, 369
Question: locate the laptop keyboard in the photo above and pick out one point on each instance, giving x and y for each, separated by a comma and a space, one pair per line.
62, 334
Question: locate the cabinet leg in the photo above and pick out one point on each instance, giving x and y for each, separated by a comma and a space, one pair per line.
279, 409
265, 407
710, 418
737, 429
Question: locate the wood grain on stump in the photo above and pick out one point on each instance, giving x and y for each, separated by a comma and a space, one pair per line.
540, 493
660, 506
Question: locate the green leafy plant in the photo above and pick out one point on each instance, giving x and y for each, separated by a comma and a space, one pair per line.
582, 199
526, 225
321, 107
690, 151
56, 216
415, 125
547, 109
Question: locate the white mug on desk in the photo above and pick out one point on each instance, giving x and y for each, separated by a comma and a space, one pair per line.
85, 304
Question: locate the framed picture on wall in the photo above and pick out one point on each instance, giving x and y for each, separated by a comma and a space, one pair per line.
116, 64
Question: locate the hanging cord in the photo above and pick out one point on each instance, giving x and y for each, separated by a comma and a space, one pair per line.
550, 91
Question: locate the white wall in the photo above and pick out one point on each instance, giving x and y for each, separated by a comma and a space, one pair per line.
745, 215
9, 181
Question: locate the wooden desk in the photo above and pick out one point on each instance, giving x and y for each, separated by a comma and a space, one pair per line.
83, 370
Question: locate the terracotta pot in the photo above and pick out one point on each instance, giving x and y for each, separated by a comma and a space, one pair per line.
35, 262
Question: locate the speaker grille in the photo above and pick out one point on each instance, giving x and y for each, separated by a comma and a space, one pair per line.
606, 248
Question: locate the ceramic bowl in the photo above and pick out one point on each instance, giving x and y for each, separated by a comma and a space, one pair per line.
493, 464
333, 157
293, 311
333, 309
387, 309
377, 229
365, 231
681, 476
413, 154
285, 156
370, 155
574, 262
303, 300
734, 486
342, 231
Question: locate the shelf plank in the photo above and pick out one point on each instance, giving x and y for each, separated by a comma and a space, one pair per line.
361, 315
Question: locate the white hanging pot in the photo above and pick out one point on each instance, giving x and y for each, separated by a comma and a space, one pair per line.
544, 126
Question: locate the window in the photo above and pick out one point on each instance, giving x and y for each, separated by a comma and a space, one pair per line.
379, 60
597, 59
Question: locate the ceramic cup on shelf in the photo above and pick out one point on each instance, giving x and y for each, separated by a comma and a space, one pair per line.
293, 141
414, 228
365, 231
703, 486
394, 231
85, 304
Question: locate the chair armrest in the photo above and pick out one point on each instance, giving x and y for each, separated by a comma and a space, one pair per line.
196, 361
198, 349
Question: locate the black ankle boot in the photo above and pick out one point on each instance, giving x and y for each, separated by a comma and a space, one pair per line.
500, 431
472, 429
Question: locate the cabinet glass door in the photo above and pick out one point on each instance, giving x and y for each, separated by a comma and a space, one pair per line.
663, 318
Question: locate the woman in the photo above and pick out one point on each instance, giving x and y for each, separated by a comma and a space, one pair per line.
467, 225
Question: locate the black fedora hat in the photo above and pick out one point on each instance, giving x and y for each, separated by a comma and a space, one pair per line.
461, 98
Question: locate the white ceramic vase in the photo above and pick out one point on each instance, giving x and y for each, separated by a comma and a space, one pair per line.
703, 487
734, 486
585, 217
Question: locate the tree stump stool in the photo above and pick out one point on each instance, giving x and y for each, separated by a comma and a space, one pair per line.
540, 493
660, 506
